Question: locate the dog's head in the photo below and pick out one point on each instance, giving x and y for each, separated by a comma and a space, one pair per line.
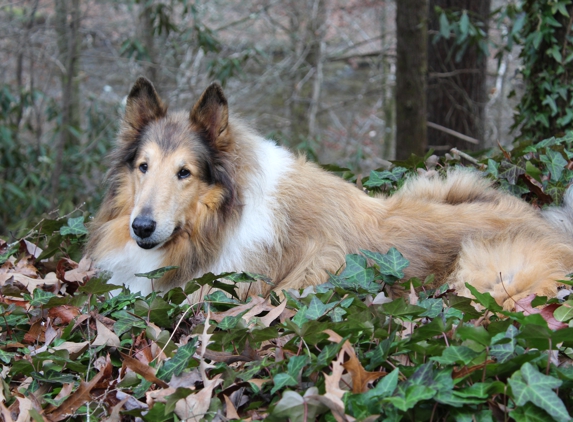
173, 167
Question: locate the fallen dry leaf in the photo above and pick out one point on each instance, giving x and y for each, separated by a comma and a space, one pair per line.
360, 377
25, 405
142, 369
114, 415
333, 397
258, 381
75, 349
186, 379
65, 313
254, 307
3, 410
273, 314
65, 391
82, 273
80, 397
524, 305
30, 283
26, 266
36, 333
195, 406
230, 412
105, 336
131, 402
32, 249
462, 372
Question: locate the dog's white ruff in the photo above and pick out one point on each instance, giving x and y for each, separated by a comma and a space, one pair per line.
131, 260
256, 229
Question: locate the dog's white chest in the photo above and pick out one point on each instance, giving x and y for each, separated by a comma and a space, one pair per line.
131, 260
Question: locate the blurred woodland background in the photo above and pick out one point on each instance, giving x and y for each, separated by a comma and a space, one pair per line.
351, 82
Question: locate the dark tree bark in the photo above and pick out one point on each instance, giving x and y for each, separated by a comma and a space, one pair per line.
307, 23
411, 28
388, 88
457, 92
67, 28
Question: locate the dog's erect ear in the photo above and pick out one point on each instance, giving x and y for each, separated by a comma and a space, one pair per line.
210, 115
143, 105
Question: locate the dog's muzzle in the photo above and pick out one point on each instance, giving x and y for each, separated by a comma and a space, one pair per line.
143, 228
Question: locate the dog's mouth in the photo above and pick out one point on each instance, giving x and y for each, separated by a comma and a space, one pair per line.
146, 244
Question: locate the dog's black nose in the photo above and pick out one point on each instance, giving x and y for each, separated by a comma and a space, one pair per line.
143, 227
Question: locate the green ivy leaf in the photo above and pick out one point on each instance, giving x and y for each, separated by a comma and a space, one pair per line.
484, 299
468, 414
179, 361
219, 297
564, 312
392, 263
385, 387
40, 297
9, 252
456, 354
300, 317
477, 334
283, 380
295, 365
126, 322
400, 308
98, 286
411, 396
158, 273
53, 377
492, 168
75, 227
506, 350
337, 314
530, 385
159, 311
356, 275
316, 308
434, 307
511, 171
6, 357
529, 413
555, 163
230, 322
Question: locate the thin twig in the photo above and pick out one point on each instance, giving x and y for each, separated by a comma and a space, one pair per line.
173, 333
464, 155
453, 133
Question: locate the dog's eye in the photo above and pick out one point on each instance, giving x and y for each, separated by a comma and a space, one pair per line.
183, 174
143, 167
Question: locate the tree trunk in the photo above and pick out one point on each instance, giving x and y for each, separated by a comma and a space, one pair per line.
411, 62
67, 29
457, 91
146, 34
308, 27
388, 103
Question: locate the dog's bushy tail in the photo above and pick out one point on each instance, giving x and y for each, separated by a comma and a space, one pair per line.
562, 217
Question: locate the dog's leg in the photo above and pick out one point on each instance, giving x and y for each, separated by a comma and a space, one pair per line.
512, 265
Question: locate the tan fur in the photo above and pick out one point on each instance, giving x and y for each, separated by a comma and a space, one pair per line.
458, 228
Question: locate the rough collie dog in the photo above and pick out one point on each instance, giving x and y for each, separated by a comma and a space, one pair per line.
202, 191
